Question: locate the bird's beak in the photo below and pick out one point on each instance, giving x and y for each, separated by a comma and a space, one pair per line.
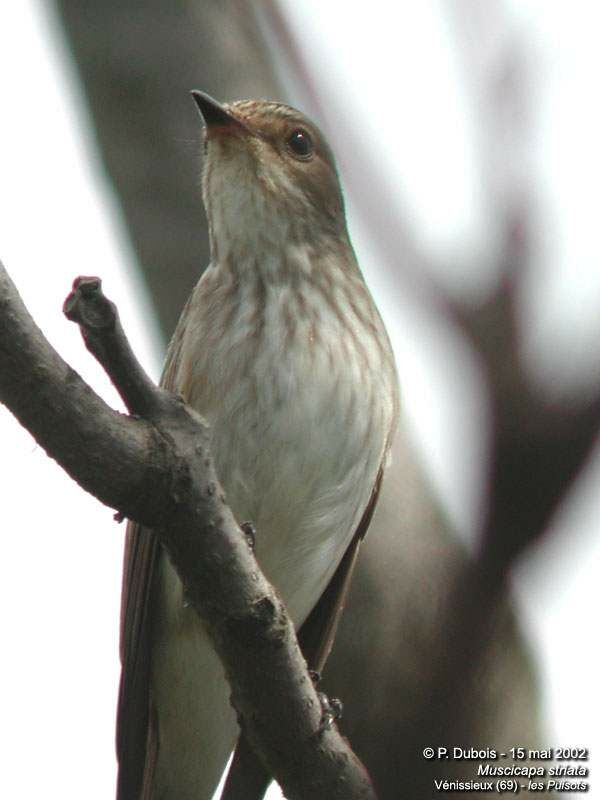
215, 116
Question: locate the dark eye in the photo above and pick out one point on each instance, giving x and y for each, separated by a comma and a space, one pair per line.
300, 143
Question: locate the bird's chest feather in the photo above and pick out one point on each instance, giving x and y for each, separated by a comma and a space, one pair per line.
273, 370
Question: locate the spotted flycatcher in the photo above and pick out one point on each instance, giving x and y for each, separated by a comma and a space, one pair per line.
281, 349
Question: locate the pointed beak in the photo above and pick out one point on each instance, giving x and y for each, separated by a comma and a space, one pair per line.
215, 116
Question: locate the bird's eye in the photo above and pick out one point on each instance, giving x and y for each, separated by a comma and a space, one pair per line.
300, 144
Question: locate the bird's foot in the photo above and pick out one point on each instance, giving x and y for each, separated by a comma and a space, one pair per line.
249, 532
331, 710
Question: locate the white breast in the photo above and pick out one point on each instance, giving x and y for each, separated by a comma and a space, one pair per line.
300, 417
300, 420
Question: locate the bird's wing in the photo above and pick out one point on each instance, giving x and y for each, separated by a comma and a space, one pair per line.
317, 634
247, 778
134, 728
136, 732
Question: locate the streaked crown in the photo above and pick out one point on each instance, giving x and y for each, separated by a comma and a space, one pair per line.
268, 164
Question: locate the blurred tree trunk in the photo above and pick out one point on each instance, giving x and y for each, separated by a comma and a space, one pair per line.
137, 63
390, 643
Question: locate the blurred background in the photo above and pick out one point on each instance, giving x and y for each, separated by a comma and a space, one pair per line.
454, 122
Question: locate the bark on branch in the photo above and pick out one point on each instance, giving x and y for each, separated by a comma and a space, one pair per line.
155, 467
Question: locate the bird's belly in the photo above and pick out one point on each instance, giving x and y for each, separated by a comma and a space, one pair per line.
301, 472
297, 457
304, 500
300, 408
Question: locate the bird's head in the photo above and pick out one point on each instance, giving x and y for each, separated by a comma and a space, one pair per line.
268, 170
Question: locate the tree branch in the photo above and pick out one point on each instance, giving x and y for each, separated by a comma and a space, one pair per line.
158, 470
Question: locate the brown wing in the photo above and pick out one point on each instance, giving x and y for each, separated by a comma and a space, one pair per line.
136, 740
317, 634
133, 711
247, 778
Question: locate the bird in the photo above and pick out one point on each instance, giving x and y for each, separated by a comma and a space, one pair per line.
281, 349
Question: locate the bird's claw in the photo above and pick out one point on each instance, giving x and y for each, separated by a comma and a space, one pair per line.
249, 532
331, 710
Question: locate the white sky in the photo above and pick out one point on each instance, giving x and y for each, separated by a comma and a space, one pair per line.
398, 69
59, 673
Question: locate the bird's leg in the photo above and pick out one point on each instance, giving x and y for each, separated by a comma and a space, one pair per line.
332, 710
249, 532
